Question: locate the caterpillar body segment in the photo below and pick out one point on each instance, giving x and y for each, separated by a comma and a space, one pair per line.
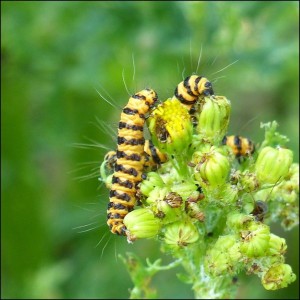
130, 160
239, 145
154, 157
193, 87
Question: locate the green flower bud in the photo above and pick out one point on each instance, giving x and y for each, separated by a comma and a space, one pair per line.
288, 190
230, 244
222, 258
152, 181
213, 168
247, 181
273, 164
157, 194
171, 127
181, 233
277, 245
141, 223
218, 262
255, 240
238, 221
184, 188
277, 277
214, 118
228, 193
168, 213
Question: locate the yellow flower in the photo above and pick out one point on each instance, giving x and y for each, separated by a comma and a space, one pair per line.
171, 127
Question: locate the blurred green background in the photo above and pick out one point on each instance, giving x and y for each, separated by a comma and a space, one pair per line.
54, 55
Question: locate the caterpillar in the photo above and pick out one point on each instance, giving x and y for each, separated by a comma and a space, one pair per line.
154, 157
240, 146
130, 159
190, 89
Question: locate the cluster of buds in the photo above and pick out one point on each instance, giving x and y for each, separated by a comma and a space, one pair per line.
203, 202
256, 250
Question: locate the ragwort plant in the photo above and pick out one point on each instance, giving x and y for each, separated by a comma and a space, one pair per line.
209, 209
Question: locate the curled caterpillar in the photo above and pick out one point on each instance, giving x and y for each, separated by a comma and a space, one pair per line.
154, 157
239, 145
189, 91
130, 159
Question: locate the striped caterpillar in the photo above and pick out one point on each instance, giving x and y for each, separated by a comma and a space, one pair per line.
130, 159
240, 146
153, 158
189, 90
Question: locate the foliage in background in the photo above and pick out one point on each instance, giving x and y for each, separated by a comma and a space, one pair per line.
53, 56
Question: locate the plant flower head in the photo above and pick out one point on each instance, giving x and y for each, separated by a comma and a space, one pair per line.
170, 127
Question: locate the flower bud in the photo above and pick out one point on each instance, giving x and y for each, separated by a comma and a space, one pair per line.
157, 194
213, 168
288, 189
222, 258
184, 188
181, 233
152, 181
247, 181
255, 240
238, 221
278, 276
171, 127
168, 214
214, 118
228, 193
277, 245
273, 164
230, 244
141, 223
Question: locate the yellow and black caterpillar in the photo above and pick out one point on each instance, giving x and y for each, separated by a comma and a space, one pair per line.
153, 158
239, 145
189, 90
130, 159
